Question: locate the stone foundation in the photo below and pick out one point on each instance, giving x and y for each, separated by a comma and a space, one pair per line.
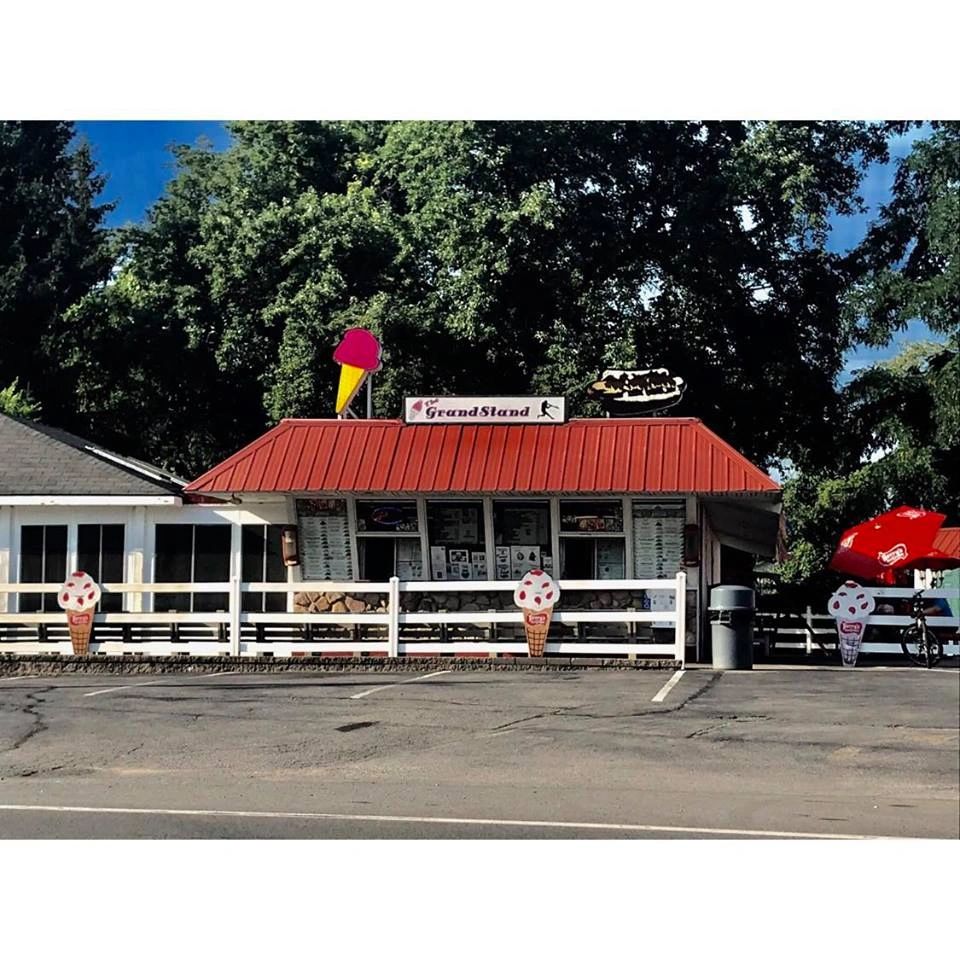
455, 601
336, 602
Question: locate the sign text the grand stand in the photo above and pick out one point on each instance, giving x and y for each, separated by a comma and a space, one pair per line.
428, 410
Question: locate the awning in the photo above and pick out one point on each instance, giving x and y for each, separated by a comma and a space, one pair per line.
753, 530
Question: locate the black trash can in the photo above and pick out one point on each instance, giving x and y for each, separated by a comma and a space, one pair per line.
731, 613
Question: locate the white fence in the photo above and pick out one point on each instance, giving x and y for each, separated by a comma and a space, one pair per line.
391, 632
810, 632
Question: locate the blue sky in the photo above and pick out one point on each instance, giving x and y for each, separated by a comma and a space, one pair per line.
136, 157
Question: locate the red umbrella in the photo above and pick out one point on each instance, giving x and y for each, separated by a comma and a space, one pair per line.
895, 540
936, 560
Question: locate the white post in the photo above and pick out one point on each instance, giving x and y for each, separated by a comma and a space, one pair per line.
236, 581
235, 595
136, 563
393, 624
809, 619
680, 590
6, 554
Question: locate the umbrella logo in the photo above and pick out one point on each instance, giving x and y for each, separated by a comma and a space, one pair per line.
848, 541
893, 555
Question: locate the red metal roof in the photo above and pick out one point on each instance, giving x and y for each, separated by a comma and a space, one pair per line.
657, 455
948, 541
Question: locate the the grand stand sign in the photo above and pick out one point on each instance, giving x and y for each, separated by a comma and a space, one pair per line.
467, 410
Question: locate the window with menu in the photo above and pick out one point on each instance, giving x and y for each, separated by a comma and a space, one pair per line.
388, 540
457, 540
592, 540
521, 530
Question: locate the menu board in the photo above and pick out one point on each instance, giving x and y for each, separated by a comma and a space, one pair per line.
657, 541
454, 523
517, 525
324, 536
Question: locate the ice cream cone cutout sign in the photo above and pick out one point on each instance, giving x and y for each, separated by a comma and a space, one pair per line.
536, 595
79, 596
851, 606
358, 355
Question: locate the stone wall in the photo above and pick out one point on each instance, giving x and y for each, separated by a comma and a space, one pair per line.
335, 602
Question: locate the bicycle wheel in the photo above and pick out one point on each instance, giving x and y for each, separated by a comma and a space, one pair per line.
913, 642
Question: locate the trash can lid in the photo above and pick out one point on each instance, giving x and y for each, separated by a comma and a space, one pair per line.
731, 598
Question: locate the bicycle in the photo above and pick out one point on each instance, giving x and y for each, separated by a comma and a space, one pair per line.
918, 641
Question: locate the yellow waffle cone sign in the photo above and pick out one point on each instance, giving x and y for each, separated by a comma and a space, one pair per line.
351, 379
358, 354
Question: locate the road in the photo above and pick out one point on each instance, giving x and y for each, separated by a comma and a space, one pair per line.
766, 753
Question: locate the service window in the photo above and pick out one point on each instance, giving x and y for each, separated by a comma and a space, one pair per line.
521, 530
592, 540
387, 516
591, 516
388, 540
192, 553
457, 540
43, 559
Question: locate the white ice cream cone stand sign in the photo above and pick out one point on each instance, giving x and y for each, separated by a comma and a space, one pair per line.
536, 595
79, 597
851, 606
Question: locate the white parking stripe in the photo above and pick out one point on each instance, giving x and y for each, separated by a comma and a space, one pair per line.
466, 821
667, 687
129, 686
31, 676
426, 676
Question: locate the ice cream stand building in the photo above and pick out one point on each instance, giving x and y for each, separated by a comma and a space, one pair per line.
431, 522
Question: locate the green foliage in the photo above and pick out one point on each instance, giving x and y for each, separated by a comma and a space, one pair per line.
910, 260
513, 256
53, 250
15, 402
901, 445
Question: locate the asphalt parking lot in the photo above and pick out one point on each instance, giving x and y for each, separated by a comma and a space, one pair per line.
592, 754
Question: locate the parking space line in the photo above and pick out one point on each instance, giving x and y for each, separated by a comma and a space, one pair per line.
129, 686
31, 676
220, 673
661, 694
387, 686
465, 821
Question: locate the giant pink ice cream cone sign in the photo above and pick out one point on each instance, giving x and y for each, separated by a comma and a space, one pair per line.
79, 596
536, 595
851, 606
358, 354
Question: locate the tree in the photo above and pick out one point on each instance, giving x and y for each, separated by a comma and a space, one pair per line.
516, 256
52, 251
902, 444
15, 402
910, 260
897, 432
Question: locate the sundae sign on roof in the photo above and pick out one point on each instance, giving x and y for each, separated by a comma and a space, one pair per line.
485, 410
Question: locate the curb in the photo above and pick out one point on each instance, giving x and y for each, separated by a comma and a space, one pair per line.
46, 665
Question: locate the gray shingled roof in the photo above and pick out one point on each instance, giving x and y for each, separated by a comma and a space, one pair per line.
37, 460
